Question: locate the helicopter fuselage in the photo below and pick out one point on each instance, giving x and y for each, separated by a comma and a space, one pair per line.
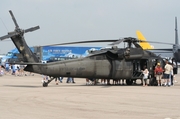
98, 66
86, 68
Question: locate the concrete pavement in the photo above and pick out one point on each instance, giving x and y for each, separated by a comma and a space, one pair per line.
25, 98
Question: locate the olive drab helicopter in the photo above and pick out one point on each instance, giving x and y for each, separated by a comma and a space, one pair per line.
114, 63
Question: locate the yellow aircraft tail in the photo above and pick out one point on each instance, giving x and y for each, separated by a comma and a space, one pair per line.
144, 45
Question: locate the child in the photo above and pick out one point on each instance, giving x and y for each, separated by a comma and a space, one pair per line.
145, 76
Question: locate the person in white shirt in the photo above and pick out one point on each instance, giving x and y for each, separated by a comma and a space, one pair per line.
16, 70
145, 76
168, 69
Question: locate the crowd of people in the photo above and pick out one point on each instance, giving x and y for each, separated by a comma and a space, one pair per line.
164, 75
14, 69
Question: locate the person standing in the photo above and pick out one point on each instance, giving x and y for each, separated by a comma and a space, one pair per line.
60, 79
145, 76
56, 80
167, 68
1, 71
7, 65
158, 72
70, 79
171, 77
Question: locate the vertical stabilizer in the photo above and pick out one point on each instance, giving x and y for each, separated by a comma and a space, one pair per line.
17, 36
176, 32
176, 49
144, 45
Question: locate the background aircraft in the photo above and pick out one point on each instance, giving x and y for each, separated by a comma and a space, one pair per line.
147, 46
45, 53
144, 45
167, 53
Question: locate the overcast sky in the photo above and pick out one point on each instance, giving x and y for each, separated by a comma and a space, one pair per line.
76, 20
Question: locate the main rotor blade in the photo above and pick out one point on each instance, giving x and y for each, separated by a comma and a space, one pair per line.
92, 41
14, 20
31, 29
161, 49
117, 42
156, 42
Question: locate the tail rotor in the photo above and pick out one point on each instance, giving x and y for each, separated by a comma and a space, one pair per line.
17, 31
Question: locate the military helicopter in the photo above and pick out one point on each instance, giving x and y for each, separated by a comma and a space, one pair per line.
115, 63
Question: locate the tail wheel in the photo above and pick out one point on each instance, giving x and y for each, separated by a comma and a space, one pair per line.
45, 84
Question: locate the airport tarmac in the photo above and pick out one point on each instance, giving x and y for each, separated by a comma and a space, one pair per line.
25, 98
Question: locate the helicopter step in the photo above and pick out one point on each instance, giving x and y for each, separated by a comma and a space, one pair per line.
137, 74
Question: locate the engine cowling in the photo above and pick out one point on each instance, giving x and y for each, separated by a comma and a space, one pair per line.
133, 53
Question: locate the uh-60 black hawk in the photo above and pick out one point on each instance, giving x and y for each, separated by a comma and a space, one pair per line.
115, 63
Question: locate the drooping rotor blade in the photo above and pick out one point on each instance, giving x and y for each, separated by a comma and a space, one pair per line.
14, 20
117, 42
31, 29
162, 52
9, 35
156, 42
92, 41
162, 49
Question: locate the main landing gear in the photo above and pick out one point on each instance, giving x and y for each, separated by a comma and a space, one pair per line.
45, 83
153, 81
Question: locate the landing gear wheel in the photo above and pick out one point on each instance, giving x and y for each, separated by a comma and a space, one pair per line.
129, 81
150, 81
45, 84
